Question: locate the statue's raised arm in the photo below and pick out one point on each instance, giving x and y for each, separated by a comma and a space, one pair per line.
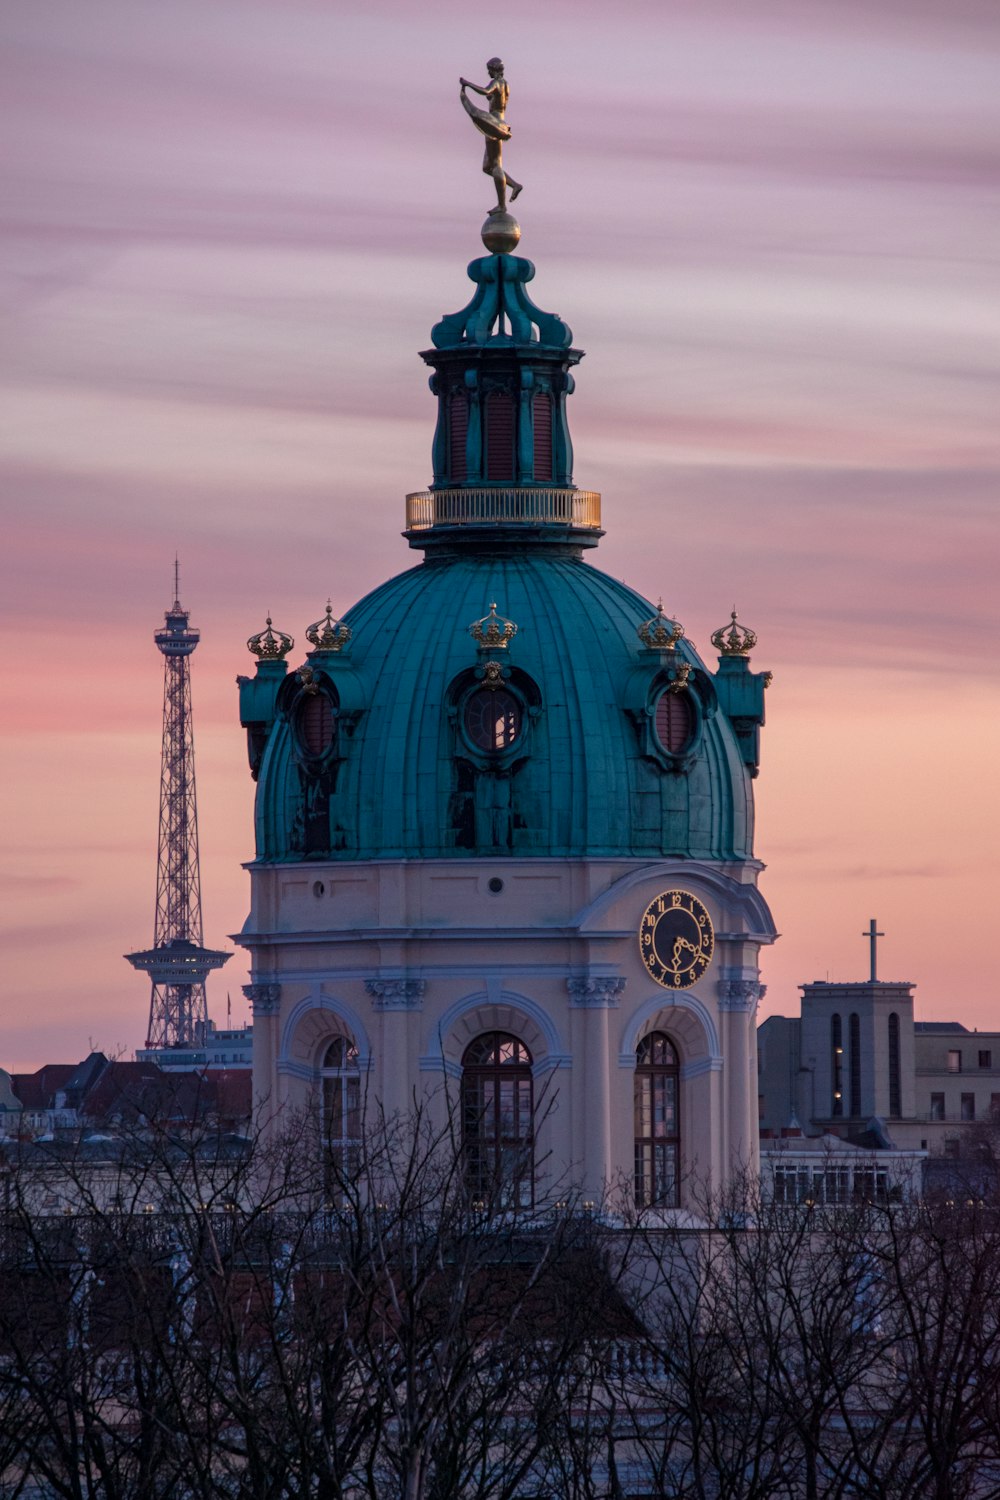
491, 123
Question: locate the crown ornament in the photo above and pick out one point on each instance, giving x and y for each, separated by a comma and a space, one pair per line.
661, 633
328, 634
269, 644
734, 639
493, 632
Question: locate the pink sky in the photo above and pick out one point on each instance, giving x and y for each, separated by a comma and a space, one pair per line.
228, 228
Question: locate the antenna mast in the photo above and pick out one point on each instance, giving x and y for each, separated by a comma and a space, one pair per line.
178, 962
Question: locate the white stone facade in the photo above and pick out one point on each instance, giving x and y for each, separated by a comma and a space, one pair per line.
412, 960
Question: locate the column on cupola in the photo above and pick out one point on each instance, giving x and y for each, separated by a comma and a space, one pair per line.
738, 1001
265, 1002
394, 1000
591, 999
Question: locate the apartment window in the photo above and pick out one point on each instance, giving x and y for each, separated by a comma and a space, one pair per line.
954, 1061
986, 1059
937, 1106
995, 1106
871, 1187
968, 1110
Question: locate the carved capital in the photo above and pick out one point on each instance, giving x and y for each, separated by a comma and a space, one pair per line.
396, 994
265, 999
740, 994
595, 993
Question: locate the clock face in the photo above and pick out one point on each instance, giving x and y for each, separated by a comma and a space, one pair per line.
676, 939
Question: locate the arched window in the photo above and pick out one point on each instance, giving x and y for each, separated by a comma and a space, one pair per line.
497, 1119
340, 1102
854, 1027
541, 409
895, 1092
657, 1122
674, 721
837, 1064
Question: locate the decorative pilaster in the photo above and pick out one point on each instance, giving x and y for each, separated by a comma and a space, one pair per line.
595, 993
738, 1000
265, 999
741, 994
396, 994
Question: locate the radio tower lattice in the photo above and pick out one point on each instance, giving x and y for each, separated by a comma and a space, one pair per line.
178, 962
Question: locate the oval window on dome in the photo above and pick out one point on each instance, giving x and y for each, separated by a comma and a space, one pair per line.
316, 725
493, 718
674, 721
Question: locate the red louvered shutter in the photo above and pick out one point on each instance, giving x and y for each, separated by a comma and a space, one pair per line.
499, 437
673, 721
458, 426
316, 724
542, 410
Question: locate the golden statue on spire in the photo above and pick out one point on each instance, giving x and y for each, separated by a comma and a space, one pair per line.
491, 123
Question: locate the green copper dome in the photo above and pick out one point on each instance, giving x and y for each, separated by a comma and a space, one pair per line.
585, 775
593, 729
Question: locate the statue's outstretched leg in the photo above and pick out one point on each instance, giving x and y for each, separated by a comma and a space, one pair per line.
515, 187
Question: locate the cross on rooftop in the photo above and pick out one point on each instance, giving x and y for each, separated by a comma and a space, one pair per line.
872, 934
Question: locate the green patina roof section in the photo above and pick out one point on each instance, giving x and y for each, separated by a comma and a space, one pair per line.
585, 789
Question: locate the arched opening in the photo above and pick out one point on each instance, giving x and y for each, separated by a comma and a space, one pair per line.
836, 1064
895, 1090
854, 1026
498, 1120
657, 1122
340, 1110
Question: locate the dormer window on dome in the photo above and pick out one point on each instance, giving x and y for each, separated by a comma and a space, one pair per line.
316, 725
674, 721
314, 719
492, 718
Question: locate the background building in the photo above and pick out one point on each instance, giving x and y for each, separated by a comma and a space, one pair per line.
855, 1065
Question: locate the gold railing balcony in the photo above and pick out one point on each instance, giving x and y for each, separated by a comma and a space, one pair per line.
503, 505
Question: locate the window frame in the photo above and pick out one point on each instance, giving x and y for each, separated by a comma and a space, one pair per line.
499, 1162
340, 1092
652, 1167
314, 761
481, 691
